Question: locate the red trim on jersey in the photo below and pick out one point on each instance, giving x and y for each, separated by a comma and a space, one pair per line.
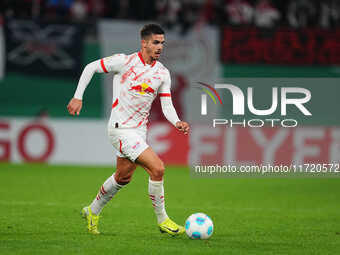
141, 59
103, 66
115, 103
164, 94
120, 146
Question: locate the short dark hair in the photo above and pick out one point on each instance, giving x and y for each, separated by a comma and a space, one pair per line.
150, 29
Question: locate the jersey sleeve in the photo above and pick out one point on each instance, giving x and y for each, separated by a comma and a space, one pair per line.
86, 76
113, 63
168, 108
164, 89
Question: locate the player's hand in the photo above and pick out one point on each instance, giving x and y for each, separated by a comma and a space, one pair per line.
74, 106
183, 126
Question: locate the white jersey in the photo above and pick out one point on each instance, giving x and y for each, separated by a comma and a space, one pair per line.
135, 86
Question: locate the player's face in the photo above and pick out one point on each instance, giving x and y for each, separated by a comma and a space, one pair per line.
154, 46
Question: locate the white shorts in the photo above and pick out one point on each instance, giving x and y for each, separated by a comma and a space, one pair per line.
129, 142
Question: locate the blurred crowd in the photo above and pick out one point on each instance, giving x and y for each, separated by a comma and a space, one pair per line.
183, 13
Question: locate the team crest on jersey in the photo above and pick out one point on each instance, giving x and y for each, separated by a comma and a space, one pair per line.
142, 89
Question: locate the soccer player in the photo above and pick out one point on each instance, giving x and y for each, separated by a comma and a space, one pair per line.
138, 79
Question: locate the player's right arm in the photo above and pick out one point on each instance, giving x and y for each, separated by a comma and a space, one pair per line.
105, 65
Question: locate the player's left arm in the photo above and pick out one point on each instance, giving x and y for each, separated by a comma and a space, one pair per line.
168, 108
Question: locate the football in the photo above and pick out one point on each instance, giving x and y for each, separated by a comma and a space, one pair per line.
199, 226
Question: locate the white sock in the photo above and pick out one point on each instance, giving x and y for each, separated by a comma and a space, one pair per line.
156, 194
105, 194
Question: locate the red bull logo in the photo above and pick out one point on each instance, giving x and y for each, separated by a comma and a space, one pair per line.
142, 89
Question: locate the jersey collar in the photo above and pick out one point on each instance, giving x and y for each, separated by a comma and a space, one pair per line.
142, 60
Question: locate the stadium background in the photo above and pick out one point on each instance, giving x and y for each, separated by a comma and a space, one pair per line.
46, 43
38, 82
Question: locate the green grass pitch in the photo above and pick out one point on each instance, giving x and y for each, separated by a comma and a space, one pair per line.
40, 213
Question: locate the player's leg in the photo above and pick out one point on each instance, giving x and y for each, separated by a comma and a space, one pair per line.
149, 160
155, 168
122, 176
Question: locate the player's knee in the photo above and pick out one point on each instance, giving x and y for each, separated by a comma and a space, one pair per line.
158, 171
123, 179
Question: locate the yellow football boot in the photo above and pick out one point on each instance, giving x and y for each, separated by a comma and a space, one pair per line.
170, 227
92, 220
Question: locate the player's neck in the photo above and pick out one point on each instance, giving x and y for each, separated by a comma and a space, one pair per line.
146, 58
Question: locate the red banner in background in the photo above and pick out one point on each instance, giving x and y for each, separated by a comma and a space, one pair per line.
171, 145
282, 46
244, 146
86, 142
